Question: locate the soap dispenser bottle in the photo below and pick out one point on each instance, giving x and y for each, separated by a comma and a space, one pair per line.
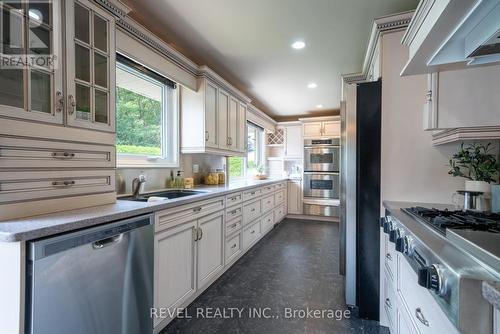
179, 180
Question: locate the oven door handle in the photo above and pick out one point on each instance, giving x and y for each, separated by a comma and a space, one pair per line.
321, 173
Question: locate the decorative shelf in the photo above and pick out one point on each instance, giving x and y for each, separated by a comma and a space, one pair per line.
459, 134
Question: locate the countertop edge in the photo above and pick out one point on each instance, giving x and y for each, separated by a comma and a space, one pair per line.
25, 229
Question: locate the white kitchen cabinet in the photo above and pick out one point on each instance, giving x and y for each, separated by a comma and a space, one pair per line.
331, 129
223, 115
294, 144
212, 120
210, 250
241, 128
211, 113
295, 197
90, 59
462, 98
174, 266
313, 129
317, 127
232, 124
34, 92
496, 321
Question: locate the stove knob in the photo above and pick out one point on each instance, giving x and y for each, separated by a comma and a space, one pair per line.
387, 226
394, 234
429, 278
402, 244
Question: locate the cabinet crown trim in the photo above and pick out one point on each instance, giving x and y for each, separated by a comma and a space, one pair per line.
380, 25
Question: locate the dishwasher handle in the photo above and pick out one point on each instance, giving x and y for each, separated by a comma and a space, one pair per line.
100, 244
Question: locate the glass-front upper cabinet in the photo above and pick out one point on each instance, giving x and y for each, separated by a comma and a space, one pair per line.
90, 66
31, 67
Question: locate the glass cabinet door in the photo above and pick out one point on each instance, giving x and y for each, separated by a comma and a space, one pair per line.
31, 68
90, 66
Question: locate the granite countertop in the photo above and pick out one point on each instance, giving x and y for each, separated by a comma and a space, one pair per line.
24, 229
491, 292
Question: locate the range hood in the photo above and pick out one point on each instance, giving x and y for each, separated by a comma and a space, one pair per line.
476, 40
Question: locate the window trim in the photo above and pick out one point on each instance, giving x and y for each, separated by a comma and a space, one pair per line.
170, 135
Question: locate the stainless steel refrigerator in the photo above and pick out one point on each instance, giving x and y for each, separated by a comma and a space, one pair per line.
360, 196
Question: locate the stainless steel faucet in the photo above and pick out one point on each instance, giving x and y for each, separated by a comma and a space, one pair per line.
137, 185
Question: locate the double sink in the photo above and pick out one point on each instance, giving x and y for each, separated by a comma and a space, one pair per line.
168, 194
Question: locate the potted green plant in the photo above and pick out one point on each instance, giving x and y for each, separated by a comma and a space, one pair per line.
477, 164
260, 172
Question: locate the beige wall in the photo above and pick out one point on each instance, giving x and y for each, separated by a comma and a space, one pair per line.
412, 169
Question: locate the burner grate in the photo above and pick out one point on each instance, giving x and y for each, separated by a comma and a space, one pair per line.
464, 220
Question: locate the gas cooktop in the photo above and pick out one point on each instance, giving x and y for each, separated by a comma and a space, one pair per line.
440, 220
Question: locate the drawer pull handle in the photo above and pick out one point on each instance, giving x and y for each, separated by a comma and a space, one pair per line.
234, 225
234, 199
63, 183
252, 193
420, 317
198, 209
63, 155
233, 246
207, 135
252, 210
388, 257
388, 303
252, 232
234, 211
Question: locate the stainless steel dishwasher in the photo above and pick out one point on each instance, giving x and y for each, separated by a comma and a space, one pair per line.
97, 280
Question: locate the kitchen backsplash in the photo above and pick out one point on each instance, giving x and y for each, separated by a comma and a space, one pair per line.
156, 177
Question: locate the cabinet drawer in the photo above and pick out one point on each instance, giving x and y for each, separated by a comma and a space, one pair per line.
267, 203
389, 295
233, 226
37, 153
279, 213
233, 199
36, 185
279, 197
233, 247
251, 194
180, 214
251, 211
233, 212
390, 258
251, 234
422, 308
267, 189
268, 222
280, 186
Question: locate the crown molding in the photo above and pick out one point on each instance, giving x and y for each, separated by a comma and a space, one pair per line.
136, 30
115, 7
319, 119
257, 112
206, 72
423, 9
380, 26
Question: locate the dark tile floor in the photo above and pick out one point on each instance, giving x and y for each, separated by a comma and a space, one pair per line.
294, 267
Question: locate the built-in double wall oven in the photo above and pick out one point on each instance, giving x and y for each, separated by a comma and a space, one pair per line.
321, 176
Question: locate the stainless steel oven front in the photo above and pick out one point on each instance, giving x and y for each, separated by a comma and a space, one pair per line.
321, 155
322, 185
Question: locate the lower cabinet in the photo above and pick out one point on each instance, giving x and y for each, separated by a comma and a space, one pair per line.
251, 234
174, 266
195, 243
210, 251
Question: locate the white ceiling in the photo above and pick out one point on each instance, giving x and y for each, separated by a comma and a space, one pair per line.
248, 42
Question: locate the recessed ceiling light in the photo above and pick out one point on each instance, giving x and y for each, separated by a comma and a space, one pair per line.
312, 85
298, 45
319, 106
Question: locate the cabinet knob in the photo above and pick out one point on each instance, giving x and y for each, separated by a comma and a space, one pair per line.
71, 104
60, 101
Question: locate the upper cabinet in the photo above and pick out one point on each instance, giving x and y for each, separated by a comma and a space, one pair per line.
293, 142
213, 119
34, 92
90, 48
446, 35
318, 127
